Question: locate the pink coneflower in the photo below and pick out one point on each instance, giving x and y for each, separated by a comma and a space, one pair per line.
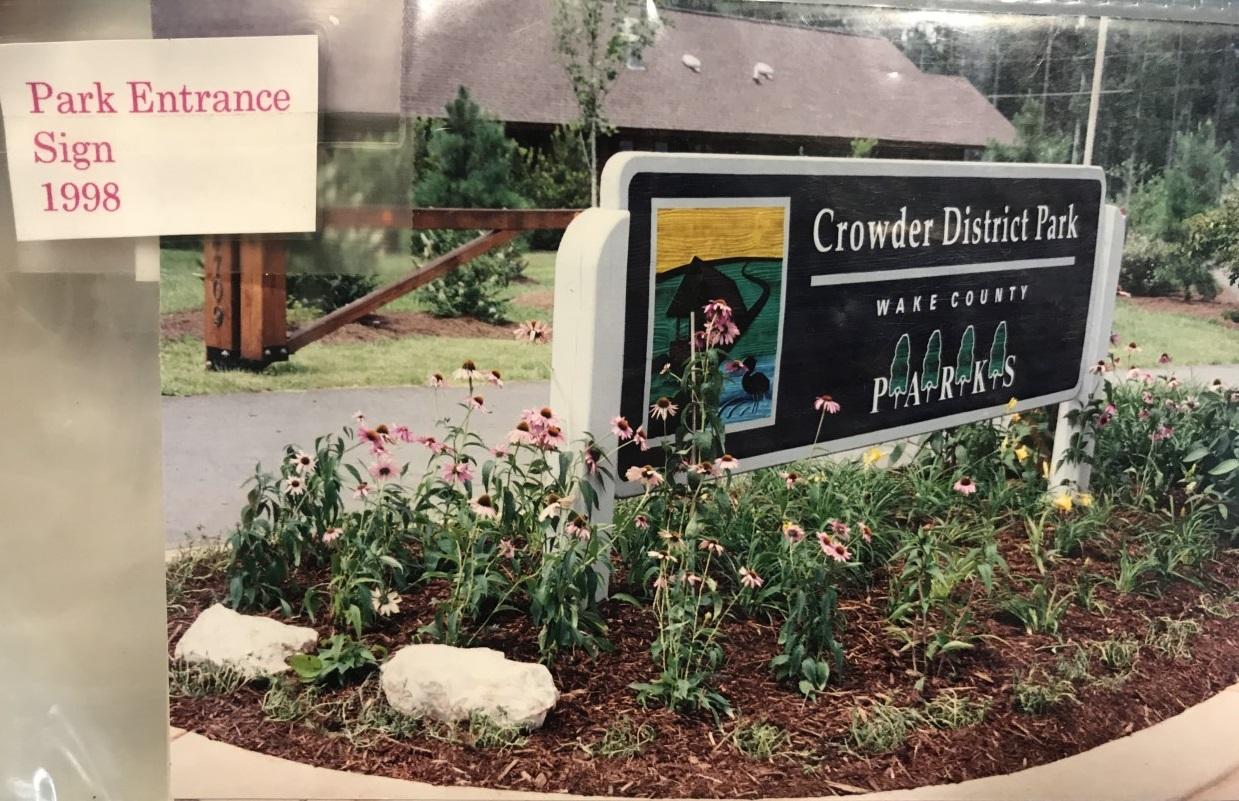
1114, 338
791, 479
692, 579
468, 371
362, 491
331, 535
716, 309
359, 418
660, 583
386, 604
1147, 397
1132, 347
1144, 414
294, 485
1133, 374
593, 456
719, 332
642, 522
621, 428
750, 579
839, 528
663, 408
383, 469
495, 378
1099, 368
792, 532
521, 435
647, 475
532, 331
402, 433
727, 463
372, 436
639, 437
735, 366
1164, 359
476, 402
704, 469
578, 527
500, 452
1173, 383
965, 486
866, 533
456, 471
436, 380
435, 446
483, 506
552, 438
506, 549
827, 404
1162, 432
303, 462
833, 548
711, 546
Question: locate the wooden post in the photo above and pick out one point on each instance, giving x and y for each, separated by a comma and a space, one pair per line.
221, 322
264, 329
244, 324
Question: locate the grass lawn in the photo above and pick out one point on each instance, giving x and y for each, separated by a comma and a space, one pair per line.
1189, 340
407, 361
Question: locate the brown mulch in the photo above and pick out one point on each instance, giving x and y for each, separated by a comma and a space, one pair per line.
691, 757
371, 328
1211, 310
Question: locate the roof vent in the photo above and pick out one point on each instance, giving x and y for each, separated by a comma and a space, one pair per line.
691, 61
762, 70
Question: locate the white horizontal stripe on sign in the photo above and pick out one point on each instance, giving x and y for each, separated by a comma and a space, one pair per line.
946, 269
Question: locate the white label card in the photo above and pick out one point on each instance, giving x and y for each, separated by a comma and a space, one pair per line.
163, 136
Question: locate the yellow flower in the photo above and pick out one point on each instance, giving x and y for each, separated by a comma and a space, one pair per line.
872, 456
1045, 468
1021, 453
1085, 499
1063, 503
1011, 404
1015, 418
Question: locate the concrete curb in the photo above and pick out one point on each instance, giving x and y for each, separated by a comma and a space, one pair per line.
1193, 756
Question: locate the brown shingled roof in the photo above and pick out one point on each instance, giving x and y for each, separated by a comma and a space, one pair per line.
825, 84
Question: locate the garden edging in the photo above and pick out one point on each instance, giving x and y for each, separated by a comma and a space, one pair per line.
1190, 756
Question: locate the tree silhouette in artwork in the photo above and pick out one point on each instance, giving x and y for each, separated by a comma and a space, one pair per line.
965, 362
931, 366
998, 351
899, 365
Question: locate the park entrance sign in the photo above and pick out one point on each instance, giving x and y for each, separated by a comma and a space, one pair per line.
917, 295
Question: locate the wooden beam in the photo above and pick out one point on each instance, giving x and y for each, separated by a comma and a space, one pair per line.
402, 217
436, 268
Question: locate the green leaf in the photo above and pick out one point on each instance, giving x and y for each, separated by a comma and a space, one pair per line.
1196, 454
1228, 466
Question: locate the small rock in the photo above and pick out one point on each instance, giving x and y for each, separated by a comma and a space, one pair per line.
248, 644
450, 684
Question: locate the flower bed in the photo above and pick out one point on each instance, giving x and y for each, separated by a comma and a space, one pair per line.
825, 627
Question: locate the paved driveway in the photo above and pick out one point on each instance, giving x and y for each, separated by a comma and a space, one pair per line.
212, 442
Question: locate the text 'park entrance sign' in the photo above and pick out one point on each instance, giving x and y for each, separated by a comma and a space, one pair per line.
165, 136
918, 295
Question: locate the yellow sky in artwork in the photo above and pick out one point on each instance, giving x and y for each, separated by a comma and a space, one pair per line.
718, 233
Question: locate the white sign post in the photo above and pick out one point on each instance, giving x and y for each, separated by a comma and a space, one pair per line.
168, 136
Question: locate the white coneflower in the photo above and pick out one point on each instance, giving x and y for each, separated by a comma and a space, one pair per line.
469, 371
484, 507
750, 579
303, 462
294, 485
386, 604
663, 408
727, 463
436, 380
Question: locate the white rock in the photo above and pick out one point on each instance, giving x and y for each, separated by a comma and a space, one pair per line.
449, 684
249, 644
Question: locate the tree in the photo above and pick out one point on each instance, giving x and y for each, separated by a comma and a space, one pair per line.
931, 365
468, 164
1213, 236
595, 40
1191, 183
965, 360
555, 177
1032, 143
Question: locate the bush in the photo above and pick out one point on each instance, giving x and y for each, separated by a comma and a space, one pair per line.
1146, 262
556, 177
475, 289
